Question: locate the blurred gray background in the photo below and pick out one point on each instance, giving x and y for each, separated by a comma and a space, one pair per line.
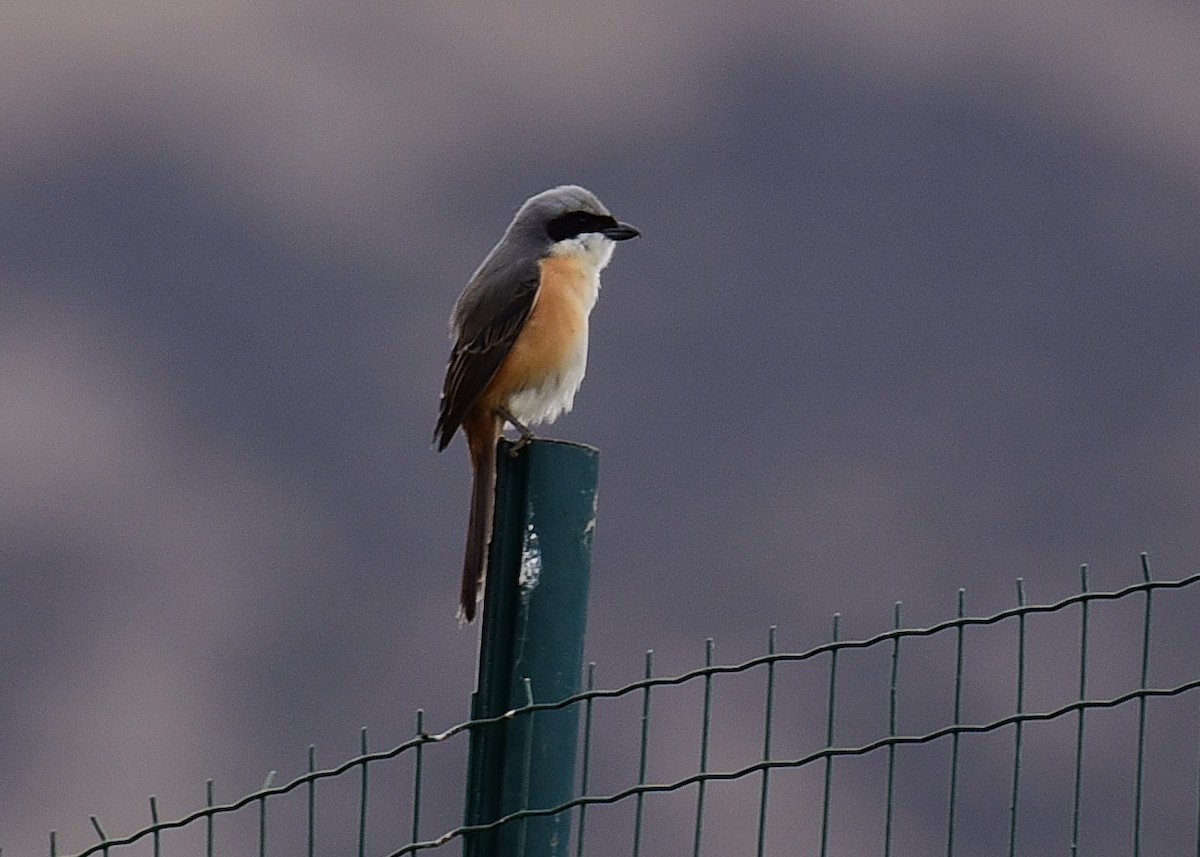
915, 307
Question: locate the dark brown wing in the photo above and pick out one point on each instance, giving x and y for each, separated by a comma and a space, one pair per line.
475, 361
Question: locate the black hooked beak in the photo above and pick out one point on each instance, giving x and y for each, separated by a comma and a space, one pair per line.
620, 232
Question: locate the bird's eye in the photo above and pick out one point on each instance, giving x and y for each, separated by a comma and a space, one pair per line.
575, 223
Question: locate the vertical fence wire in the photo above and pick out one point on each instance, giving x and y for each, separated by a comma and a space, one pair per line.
362, 795
766, 773
889, 789
208, 818
1020, 727
310, 821
262, 816
829, 722
586, 762
705, 721
418, 770
955, 739
1141, 720
1077, 785
640, 800
156, 837
526, 764
99, 830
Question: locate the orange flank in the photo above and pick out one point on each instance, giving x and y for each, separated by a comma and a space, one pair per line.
550, 337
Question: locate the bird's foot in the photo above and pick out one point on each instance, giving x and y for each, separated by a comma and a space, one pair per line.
526, 434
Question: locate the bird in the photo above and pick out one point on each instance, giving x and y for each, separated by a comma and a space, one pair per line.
520, 331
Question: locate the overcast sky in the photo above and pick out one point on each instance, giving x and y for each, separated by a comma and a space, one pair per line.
915, 308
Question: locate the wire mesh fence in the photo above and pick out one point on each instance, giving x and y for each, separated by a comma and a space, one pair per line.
1057, 728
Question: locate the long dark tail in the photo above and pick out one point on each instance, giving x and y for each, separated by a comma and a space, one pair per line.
479, 525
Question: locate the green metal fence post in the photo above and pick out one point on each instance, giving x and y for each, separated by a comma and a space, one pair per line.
531, 649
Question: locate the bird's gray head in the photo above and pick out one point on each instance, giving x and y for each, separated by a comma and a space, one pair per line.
569, 219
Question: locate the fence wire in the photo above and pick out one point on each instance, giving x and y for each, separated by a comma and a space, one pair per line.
1059, 728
